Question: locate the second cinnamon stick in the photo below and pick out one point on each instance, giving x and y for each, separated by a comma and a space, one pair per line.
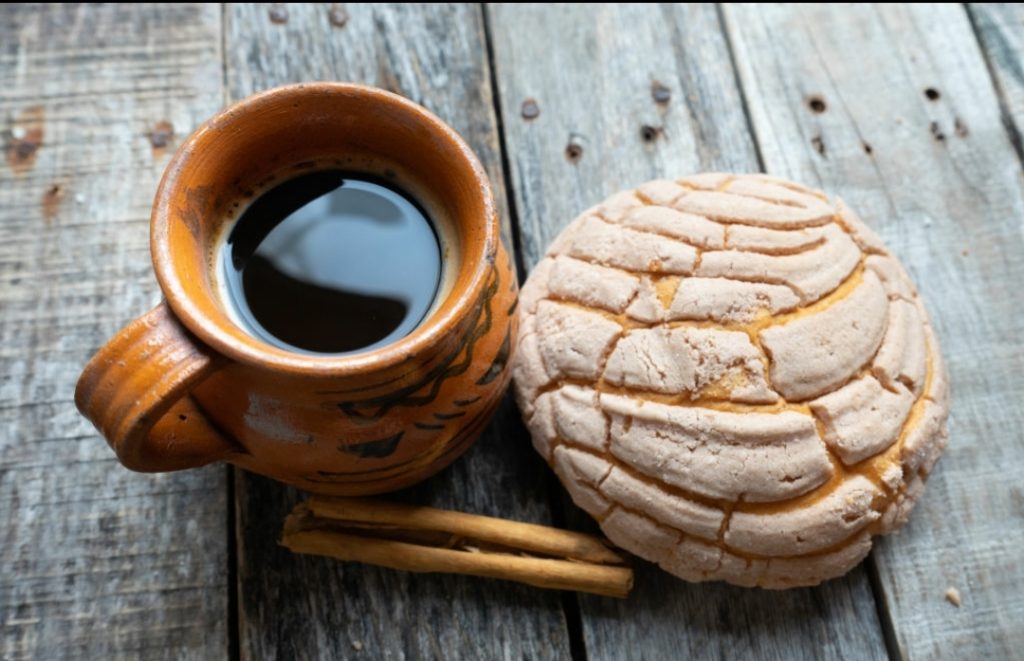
425, 539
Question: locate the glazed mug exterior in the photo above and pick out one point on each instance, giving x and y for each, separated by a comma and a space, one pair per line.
183, 385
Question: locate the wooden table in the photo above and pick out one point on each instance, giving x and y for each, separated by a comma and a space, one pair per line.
912, 114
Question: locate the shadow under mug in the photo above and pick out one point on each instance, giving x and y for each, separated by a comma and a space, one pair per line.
183, 385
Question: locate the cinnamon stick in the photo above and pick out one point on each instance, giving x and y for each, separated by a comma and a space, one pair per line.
425, 539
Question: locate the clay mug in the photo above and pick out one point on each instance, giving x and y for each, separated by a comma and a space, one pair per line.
184, 386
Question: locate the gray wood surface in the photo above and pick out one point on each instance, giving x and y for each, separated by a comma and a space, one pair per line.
96, 562
599, 76
941, 183
594, 77
1000, 30
305, 607
916, 128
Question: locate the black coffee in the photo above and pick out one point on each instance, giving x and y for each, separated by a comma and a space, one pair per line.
331, 262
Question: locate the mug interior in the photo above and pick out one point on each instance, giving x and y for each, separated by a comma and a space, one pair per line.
284, 132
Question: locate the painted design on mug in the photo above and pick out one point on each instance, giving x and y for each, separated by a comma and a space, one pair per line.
398, 471
379, 449
371, 410
500, 360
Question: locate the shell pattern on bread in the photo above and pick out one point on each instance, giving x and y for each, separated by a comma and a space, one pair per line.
734, 376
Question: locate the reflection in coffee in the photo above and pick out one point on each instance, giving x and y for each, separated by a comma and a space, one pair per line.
329, 262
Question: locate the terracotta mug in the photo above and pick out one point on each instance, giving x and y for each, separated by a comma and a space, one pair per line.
184, 386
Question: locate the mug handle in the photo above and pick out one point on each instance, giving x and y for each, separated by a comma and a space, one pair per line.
135, 390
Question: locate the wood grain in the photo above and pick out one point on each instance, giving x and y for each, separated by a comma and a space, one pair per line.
304, 607
1000, 29
599, 77
593, 76
95, 561
907, 130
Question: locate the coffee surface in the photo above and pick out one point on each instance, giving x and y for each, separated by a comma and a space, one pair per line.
331, 262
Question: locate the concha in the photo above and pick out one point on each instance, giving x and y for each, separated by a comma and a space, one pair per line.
734, 376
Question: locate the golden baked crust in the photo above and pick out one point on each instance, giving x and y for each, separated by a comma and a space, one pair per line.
734, 376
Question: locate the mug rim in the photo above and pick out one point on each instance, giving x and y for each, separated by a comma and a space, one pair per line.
245, 349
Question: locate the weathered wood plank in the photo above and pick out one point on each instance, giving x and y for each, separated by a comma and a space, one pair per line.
626, 94
594, 77
304, 607
907, 129
1000, 28
95, 561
